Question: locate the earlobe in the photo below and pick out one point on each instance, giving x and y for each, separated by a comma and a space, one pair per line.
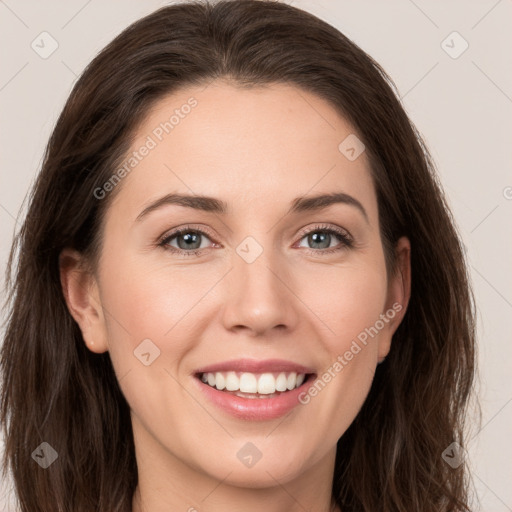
80, 291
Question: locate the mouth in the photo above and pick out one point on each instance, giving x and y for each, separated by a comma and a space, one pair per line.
254, 390
255, 385
251, 389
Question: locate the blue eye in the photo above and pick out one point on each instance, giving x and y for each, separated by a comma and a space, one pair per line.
322, 236
190, 240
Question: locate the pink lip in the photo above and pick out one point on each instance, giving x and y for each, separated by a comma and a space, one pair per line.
255, 366
255, 409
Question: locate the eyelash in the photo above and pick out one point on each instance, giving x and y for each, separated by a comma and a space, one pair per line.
346, 240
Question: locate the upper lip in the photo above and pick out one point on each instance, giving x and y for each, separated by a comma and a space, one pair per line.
255, 366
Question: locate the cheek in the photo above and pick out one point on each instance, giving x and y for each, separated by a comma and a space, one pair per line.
346, 300
351, 351
138, 310
169, 304
150, 300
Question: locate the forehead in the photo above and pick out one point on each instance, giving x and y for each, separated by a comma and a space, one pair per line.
251, 147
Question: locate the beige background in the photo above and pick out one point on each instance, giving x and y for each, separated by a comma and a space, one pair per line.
461, 105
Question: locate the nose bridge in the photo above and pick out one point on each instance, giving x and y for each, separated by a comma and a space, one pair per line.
257, 296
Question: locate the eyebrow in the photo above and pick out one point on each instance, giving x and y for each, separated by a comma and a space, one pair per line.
213, 205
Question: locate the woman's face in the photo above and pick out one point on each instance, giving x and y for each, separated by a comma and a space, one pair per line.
272, 283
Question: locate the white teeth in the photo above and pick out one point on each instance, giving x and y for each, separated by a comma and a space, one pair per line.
248, 383
266, 384
232, 382
281, 382
220, 381
262, 384
292, 380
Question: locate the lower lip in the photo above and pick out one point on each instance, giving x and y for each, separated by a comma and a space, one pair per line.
255, 408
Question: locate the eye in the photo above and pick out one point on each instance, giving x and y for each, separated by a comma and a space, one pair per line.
187, 241
321, 237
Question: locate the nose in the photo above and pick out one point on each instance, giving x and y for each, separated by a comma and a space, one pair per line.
259, 297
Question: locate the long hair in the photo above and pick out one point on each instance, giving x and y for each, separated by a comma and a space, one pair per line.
55, 390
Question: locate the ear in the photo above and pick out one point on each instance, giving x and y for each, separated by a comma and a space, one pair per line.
82, 297
399, 292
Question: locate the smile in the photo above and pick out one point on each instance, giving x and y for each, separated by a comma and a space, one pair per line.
254, 385
254, 390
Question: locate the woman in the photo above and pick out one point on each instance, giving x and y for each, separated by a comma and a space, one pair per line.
238, 283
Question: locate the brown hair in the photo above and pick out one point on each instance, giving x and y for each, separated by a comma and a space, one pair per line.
55, 390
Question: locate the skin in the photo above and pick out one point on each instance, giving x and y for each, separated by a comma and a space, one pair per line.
256, 149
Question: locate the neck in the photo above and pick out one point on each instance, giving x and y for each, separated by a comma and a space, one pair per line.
147, 504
